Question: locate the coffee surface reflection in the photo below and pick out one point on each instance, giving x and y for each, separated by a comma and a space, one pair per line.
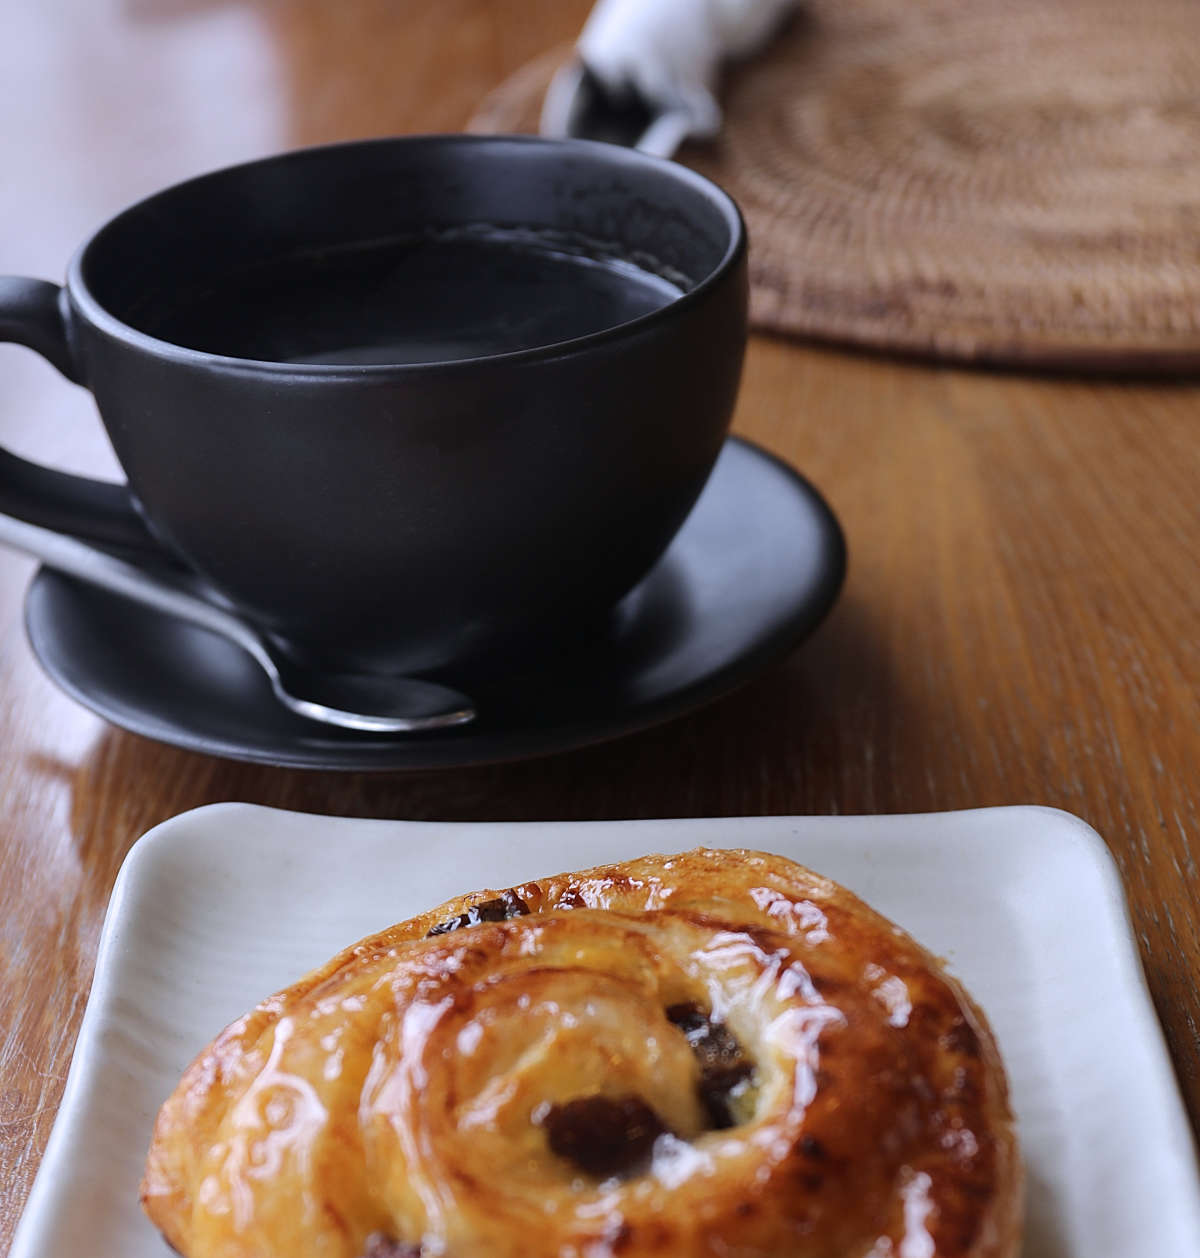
437, 298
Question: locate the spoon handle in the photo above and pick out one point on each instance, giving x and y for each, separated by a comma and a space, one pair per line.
378, 705
162, 590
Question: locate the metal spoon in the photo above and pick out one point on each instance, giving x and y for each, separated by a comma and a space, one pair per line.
376, 703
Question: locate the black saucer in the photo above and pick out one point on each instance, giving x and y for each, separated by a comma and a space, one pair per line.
753, 570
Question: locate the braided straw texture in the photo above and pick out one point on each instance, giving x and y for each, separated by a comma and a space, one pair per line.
1008, 183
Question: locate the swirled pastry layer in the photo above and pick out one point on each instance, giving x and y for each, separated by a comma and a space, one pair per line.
717, 1054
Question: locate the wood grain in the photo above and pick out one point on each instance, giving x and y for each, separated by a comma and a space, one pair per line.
1021, 622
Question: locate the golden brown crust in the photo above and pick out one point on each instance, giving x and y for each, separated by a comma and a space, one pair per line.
396, 1100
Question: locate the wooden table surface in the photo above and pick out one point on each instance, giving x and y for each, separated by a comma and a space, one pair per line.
1020, 624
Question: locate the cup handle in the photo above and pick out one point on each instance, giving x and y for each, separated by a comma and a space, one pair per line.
33, 313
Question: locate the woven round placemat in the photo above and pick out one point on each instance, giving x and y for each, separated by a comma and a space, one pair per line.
1006, 183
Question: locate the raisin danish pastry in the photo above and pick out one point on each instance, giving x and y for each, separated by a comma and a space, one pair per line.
716, 1054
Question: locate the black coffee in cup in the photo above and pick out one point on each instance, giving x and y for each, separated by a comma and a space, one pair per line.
438, 297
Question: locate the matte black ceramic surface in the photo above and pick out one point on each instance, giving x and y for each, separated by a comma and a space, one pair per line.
410, 514
754, 569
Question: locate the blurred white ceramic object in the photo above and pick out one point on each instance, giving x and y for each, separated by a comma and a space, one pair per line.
662, 55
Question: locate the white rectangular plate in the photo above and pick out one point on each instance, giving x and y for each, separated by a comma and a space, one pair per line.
219, 907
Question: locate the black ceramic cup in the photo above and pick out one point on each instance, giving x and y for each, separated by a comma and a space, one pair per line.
412, 515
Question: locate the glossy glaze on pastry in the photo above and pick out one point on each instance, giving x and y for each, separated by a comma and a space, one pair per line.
718, 1054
